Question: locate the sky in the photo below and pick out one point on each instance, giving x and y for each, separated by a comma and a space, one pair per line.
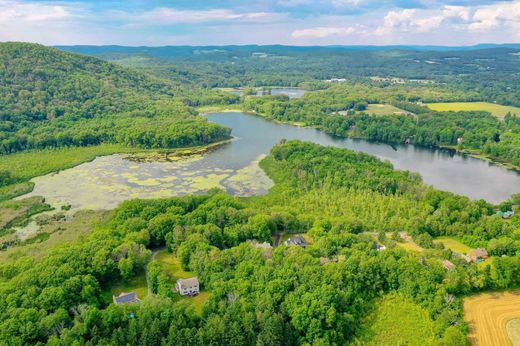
292, 22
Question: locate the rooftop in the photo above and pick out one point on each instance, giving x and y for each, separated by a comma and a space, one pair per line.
126, 298
187, 283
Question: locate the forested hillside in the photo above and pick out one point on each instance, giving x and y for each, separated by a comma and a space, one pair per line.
50, 98
287, 295
491, 72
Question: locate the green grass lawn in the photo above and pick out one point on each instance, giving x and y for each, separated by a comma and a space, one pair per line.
396, 321
453, 244
137, 284
383, 109
172, 267
497, 110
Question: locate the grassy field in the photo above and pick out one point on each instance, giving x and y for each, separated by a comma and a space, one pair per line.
172, 267
497, 110
383, 109
137, 284
59, 232
30, 164
453, 244
396, 321
488, 315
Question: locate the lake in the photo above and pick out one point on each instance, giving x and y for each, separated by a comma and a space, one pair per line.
109, 180
292, 92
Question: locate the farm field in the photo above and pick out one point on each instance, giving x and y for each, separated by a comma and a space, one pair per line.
453, 244
488, 315
393, 313
499, 111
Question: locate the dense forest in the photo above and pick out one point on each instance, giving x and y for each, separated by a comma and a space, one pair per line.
49, 98
492, 72
342, 111
281, 296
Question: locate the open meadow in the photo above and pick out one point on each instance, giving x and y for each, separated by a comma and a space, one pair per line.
488, 315
396, 321
453, 244
499, 111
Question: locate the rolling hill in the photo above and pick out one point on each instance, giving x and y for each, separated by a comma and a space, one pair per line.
50, 98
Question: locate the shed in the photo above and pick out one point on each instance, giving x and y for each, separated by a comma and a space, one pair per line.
126, 298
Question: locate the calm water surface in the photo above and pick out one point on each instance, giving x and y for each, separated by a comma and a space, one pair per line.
442, 169
109, 180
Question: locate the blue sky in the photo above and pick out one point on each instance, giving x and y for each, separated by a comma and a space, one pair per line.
296, 22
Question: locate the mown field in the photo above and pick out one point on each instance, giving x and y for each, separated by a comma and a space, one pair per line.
384, 109
499, 111
488, 315
453, 244
396, 321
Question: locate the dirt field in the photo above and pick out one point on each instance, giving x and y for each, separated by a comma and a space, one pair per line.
488, 315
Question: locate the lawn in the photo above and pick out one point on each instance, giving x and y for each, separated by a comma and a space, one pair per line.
488, 315
137, 284
383, 109
497, 110
172, 267
396, 320
453, 244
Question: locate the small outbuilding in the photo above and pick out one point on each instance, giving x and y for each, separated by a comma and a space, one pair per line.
126, 298
188, 287
448, 265
297, 240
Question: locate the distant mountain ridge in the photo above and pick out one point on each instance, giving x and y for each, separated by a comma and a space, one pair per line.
164, 51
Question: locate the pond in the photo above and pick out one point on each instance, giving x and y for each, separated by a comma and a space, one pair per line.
109, 180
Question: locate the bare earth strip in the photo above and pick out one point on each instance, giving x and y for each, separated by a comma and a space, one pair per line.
488, 314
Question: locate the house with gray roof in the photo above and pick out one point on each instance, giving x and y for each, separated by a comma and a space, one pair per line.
188, 287
297, 240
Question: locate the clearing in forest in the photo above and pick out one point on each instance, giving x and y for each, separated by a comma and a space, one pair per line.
491, 318
383, 109
394, 313
453, 244
172, 267
499, 111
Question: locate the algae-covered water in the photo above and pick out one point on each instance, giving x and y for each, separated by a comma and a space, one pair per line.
109, 180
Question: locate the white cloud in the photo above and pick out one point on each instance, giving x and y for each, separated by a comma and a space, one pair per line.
321, 32
460, 12
494, 16
172, 16
408, 20
31, 12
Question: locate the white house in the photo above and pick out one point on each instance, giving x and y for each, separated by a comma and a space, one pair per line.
187, 287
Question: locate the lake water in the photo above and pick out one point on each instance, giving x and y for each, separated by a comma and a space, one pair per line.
292, 92
109, 180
